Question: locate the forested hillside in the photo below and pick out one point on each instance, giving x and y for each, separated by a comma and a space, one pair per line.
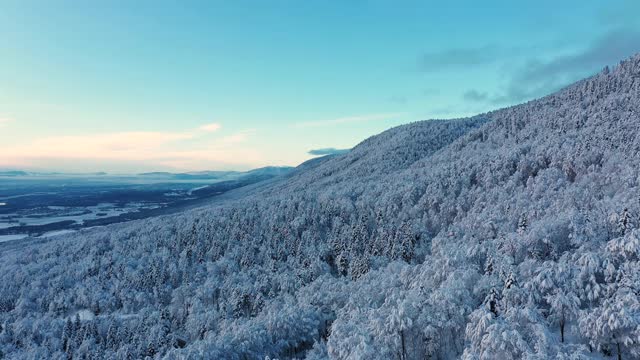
510, 235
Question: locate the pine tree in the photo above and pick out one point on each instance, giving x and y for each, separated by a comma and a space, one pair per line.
96, 308
359, 267
488, 269
112, 337
522, 224
67, 336
342, 264
511, 281
624, 222
491, 301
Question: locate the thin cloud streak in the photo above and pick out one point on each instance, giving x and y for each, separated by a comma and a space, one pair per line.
461, 58
475, 95
348, 119
210, 127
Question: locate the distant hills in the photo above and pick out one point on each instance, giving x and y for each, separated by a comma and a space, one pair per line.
14, 173
196, 175
17, 173
216, 175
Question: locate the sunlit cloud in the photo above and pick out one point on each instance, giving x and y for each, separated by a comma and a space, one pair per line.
211, 127
348, 119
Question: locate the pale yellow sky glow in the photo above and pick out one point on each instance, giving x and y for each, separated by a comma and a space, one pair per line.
191, 149
25, 145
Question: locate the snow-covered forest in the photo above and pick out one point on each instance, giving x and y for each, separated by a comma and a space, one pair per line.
510, 235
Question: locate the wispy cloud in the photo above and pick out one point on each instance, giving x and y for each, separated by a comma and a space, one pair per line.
328, 151
541, 76
475, 95
460, 58
211, 127
348, 119
607, 50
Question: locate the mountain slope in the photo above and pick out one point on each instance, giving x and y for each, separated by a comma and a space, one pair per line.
505, 236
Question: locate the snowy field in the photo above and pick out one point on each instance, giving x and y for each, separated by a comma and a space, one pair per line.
4, 238
39, 204
78, 215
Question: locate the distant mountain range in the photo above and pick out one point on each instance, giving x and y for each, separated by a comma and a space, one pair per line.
215, 175
196, 175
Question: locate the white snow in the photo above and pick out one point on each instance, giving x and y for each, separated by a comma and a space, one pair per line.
4, 238
56, 233
480, 238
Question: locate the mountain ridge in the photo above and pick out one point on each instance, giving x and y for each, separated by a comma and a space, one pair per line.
430, 240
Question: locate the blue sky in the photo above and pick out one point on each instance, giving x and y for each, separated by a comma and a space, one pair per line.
128, 86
